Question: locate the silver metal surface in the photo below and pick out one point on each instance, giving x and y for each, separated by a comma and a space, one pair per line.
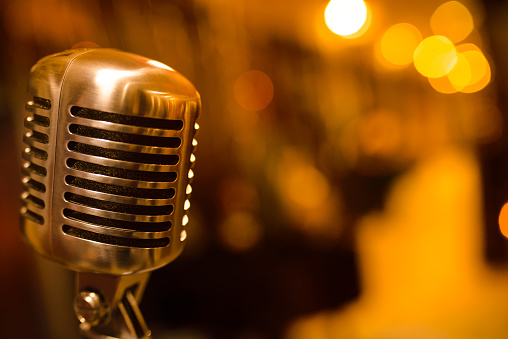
108, 151
107, 170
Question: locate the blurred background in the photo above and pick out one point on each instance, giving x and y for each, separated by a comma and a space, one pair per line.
351, 169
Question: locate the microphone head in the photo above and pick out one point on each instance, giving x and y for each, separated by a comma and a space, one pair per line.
108, 157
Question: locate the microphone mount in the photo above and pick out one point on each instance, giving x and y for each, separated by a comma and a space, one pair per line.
107, 305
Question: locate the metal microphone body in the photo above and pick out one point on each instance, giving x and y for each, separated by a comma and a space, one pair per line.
107, 170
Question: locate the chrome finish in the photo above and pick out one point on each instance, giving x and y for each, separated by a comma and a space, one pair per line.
130, 118
109, 145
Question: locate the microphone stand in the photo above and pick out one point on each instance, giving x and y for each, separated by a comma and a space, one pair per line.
107, 306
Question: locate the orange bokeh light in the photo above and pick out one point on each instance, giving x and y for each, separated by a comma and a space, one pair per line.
253, 90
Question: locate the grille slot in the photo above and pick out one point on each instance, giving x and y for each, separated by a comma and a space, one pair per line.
37, 153
118, 207
157, 159
41, 103
40, 120
146, 193
39, 170
30, 199
119, 224
89, 167
26, 213
113, 240
39, 137
126, 119
129, 138
35, 185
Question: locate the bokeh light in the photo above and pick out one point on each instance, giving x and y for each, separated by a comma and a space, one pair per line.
453, 20
346, 17
460, 75
480, 69
503, 220
435, 56
253, 90
240, 231
470, 74
442, 85
399, 42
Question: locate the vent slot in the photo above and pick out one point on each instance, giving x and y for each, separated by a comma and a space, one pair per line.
39, 137
119, 224
41, 120
32, 216
89, 167
35, 185
35, 201
39, 170
112, 240
137, 139
156, 159
146, 193
37, 153
118, 207
41, 103
126, 119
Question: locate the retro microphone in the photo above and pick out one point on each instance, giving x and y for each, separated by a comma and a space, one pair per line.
107, 168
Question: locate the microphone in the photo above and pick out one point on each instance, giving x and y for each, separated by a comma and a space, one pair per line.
107, 172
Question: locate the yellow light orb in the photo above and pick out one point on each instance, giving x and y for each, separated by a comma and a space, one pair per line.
480, 68
453, 20
460, 75
346, 17
399, 42
435, 56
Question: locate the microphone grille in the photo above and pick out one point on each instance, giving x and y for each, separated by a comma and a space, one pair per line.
134, 187
108, 165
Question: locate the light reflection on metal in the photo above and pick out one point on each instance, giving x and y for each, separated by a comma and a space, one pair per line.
159, 64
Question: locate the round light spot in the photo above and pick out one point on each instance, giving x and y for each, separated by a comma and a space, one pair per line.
399, 43
346, 17
453, 20
253, 90
435, 56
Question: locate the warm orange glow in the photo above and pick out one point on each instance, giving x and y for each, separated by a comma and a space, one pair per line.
399, 42
435, 56
346, 17
380, 133
306, 186
240, 231
442, 85
453, 20
503, 220
253, 90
